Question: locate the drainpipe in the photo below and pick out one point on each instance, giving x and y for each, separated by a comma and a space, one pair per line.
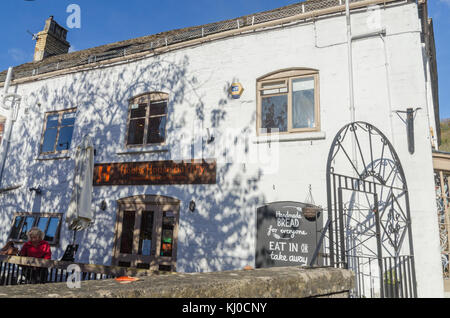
350, 80
350, 60
10, 119
8, 81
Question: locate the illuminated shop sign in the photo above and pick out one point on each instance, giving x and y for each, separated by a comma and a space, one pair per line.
155, 173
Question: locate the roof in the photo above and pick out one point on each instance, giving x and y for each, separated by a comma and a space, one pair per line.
152, 42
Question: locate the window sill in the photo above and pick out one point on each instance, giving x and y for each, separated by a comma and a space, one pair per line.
304, 136
52, 157
143, 151
19, 242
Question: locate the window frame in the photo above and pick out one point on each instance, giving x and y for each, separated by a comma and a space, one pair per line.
44, 129
37, 216
147, 98
287, 75
138, 204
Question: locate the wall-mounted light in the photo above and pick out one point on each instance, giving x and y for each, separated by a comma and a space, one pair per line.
37, 190
210, 137
103, 205
192, 206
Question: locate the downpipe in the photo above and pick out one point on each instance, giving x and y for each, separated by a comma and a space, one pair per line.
11, 113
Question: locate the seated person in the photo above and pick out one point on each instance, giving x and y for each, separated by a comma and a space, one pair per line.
36, 246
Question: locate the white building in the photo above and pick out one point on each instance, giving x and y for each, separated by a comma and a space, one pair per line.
157, 100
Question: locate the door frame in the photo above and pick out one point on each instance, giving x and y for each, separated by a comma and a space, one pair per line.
141, 203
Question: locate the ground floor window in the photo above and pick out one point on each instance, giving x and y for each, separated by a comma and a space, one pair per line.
146, 233
49, 223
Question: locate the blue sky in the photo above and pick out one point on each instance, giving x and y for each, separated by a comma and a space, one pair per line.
106, 21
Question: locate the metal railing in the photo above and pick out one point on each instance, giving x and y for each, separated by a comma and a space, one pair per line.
192, 33
394, 281
16, 270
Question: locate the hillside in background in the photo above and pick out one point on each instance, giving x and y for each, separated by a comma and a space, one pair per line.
445, 135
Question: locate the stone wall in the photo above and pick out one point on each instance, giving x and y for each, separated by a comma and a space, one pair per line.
275, 282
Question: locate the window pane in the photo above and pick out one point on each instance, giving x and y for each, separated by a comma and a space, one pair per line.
126, 244
274, 91
51, 230
303, 103
272, 85
68, 119
145, 236
138, 110
42, 223
65, 138
136, 132
156, 130
158, 108
52, 121
16, 227
168, 223
274, 113
49, 140
28, 224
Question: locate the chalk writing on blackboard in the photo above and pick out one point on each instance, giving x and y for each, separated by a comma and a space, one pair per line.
284, 236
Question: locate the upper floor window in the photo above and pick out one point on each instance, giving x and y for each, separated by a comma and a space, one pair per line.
58, 130
288, 101
147, 118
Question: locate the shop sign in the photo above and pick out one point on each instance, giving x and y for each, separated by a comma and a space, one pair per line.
155, 173
285, 237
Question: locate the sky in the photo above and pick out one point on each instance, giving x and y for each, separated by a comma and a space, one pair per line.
106, 21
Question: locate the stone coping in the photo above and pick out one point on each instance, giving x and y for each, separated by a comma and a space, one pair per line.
275, 282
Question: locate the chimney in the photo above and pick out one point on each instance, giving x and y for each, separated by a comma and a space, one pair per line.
51, 41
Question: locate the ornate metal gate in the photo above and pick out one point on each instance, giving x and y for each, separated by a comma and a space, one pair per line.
369, 228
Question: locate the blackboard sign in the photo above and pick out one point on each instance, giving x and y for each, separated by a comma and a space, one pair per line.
285, 237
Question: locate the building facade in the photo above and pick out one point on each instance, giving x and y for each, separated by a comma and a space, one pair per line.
182, 166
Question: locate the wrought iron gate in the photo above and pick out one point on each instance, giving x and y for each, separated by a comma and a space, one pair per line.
368, 205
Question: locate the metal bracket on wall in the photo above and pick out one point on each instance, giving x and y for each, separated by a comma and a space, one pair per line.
410, 116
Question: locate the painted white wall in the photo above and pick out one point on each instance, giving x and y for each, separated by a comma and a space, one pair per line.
220, 235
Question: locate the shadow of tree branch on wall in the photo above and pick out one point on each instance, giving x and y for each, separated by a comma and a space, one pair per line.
219, 235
